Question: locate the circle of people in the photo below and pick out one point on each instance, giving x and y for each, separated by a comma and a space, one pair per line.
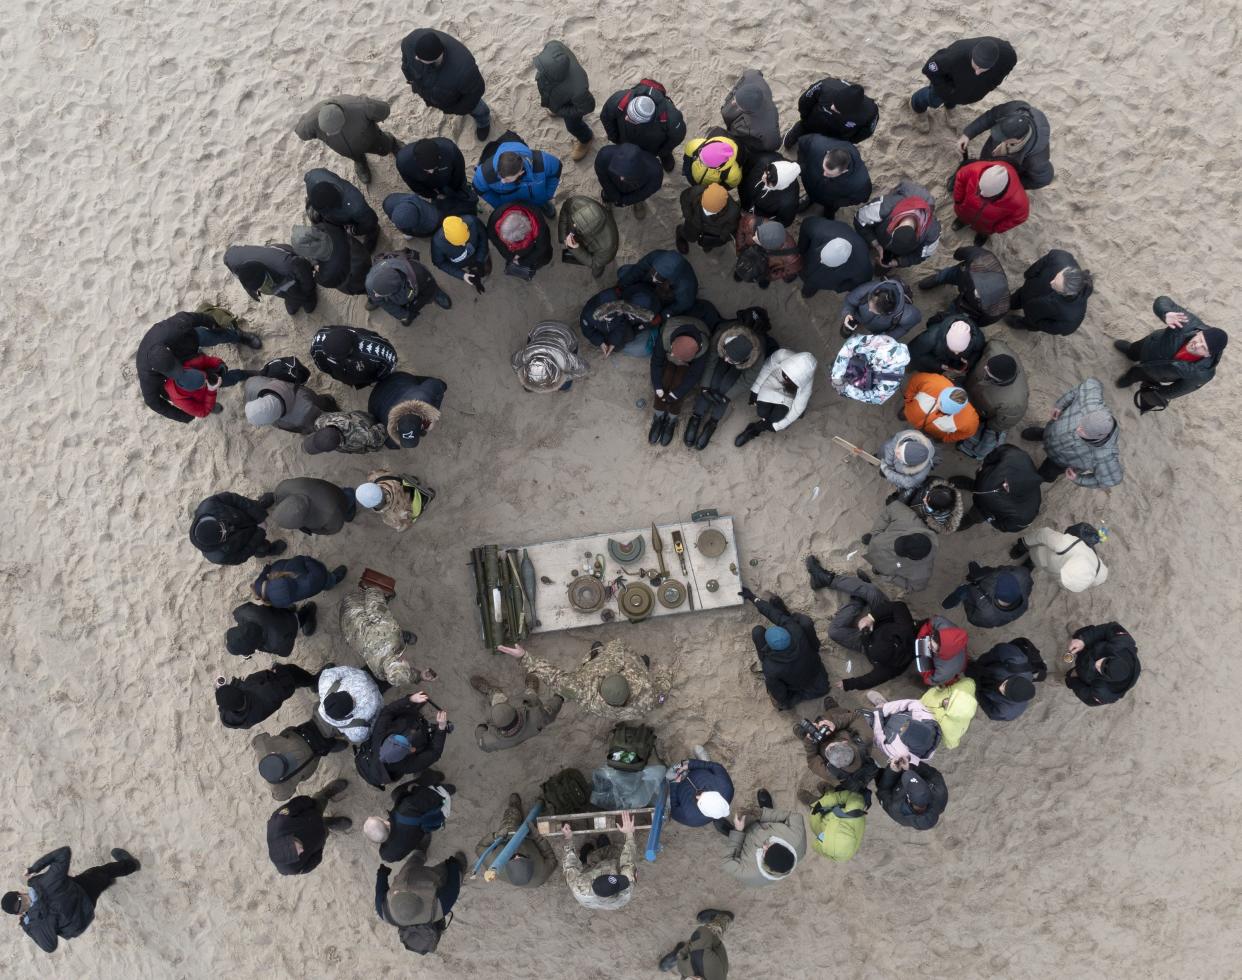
963, 388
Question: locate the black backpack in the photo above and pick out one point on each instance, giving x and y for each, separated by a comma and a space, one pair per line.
752, 264
1150, 399
286, 369
423, 939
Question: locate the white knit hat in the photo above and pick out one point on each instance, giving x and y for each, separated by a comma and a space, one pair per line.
265, 409
369, 495
712, 805
958, 336
993, 181
836, 253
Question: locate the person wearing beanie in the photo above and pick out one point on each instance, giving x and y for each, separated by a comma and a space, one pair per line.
346, 124
286, 760
262, 629
766, 250
55, 905
335, 201
964, 72
521, 235
401, 286
914, 798
228, 528
900, 226
1005, 678
408, 406
835, 108
613, 683
588, 233
312, 506
780, 393
244, 702
678, 361
565, 92
982, 286
354, 356
345, 432
1075, 563
286, 582
1176, 360
834, 257
1019, 134
988, 197
435, 170
997, 387
669, 278
274, 270
1053, 295
765, 849
341, 261
459, 248
288, 406
1006, 490
713, 159
443, 73
1082, 439
507, 724
420, 894
402, 741
951, 345
703, 954
1106, 664
993, 596
510, 172
770, 187
750, 115
627, 175
349, 701
899, 550
736, 351
788, 653
699, 793
709, 218
601, 875
906, 460
938, 408
298, 831
398, 499
644, 116
533, 862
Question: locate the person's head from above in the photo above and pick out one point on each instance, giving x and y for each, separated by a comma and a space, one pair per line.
738, 349
916, 790
266, 409
994, 181
916, 547
905, 237
684, 349
847, 100
395, 748
1096, 426
323, 196
957, 337
369, 495
1071, 281
640, 109
939, 500
504, 718
951, 400
429, 49
514, 226
338, 342
836, 162
230, 697
520, 870
777, 638
1112, 668
456, 231
839, 754
243, 639
711, 804
1001, 369
376, 829
427, 156
882, 302
714, 199
15, 903
1208, 342
387, 281
778, 858
410, 429
615, 690
1008, 591
338, 705
911, 452
715, 153
331, 119
1017, 688
209, 532
1010, 134
607, 886
325, 440
769, 234
836, 253
984, 55
509, 167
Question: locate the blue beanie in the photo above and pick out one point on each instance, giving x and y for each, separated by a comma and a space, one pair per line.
947, 405
777, 638
1008, 591
412, 214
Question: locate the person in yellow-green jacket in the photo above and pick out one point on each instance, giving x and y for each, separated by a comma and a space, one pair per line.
953, 707
713, 160
838, 819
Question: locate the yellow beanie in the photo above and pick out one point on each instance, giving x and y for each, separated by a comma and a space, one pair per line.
714, 198
455, 230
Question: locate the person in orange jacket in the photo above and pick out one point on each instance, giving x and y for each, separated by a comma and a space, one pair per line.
939, 409
989, 197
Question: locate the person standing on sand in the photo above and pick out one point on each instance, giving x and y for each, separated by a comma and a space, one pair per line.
1069, 556
443, 73
1005, 678
1106, 664
533, 862
267, 630
702, 956
349, 701
834, 256
788, 651
57, 905
1176, 360
507, 725
228, 528
510, 172
1053, 295
1017, 133
988, 198
419, 807
312, 506
290, 758
994, 596
1082, 439
287, 582
346, 124
297, 831
627, 175
371, 632
274, 270
244, 702
644, 116
836, 108
401, 286
964, 72
565, 91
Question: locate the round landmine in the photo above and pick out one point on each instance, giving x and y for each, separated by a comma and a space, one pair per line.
586, 593
671, 594
712, 543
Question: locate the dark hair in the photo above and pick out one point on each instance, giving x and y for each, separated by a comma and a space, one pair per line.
1075, 280
884, 299
323, 195
838, 159
509, 164
779, 858
939, 498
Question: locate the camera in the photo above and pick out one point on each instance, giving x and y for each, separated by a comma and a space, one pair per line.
812, 732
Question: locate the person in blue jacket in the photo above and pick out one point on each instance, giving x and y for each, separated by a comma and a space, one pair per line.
287, 582
668, 275
700, 792
510, 171
459, 247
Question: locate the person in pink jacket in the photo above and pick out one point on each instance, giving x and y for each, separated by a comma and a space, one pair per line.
905, 731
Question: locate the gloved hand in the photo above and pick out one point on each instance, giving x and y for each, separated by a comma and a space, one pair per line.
747, 595
267, 500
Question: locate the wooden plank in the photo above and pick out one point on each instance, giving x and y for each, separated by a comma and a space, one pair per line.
593, 823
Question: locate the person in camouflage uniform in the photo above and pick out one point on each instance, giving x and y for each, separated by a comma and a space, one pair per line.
372, 632
602, 874
345, 432
507, 725
612, 682
534, 860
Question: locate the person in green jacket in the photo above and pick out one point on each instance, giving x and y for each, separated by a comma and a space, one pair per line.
838, 819
588, 233
703, 954
565, 91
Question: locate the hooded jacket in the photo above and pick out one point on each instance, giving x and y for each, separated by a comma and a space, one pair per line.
400, 394
783, 267
299, 818
627, 174
923, 411
703, 956
346, 264
177, 334
796, 673
595, 230
908, 574
1109, 640
279, 626
661, 354
399, 717
352, 213
953, 78
813, 235
799, 368
989, 216
817, 117
449, 176
1000, 406
371, 357
62, 908
1045, 309
678, 287
1013, 508
700, 777
301, 405
358, 136
746, 847
902, 475
883, 361
415, 216
1017, 658
940, 521
832, 193
617, 331
537, 185
265, 691
1157, 352
289, 581
454, 86
564, 89
535, 250
325, 504
412, 807
929, 351
1076, 565
778, 202
897, 324
708, 230
723, 377
243, 521
876, 221
1032, 158
658, 136
750, 114
254, 265
457, 260
838, 819
896, 803
891, 743
949, 660
1098, 465
729, 174
953, 708
980, 602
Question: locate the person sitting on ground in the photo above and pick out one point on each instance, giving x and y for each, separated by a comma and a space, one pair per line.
780, 393
419, 807
401, 286
298, 831
1082, 439
244, 702
736, 353
345, 432
838, 819
520, 234
1071, 556
506, 725
398, 499
1106, 664
881, 306
228, 528
1053, 295
549, 360
349, 701
354, 356
1176, 360
621, 318
788, 652
709, 218
588, 234
899, 550
601, 875
372, 633
287, 582
840, 751
944, 661
938, 408
765, 849
703, 955
1005, 678
669, 276
290, 758
914, 798
678, 361
263, 629
993, 596
905, 731
901, 226
408, 406
700, 792
533, 862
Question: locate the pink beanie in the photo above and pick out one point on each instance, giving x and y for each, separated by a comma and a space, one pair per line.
715, 154
958, 337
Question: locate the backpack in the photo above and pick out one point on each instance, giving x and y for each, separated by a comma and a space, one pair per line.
752, 264
423, 939
1150, 399
566, 792
286, 369
630, 746
645, 86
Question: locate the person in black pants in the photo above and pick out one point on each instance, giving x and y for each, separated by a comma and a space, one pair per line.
244, 702
297, 831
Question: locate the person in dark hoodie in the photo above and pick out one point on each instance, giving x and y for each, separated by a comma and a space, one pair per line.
766, 251
834, 256
964, 72
244, 702
982, 287
520, 234
994, 596
736, 352
709, 218
678, 361
274, 270
168, 345
644, 115
285, 583
666, 274
1007, 490
628, 175
354, 356
341, 261
443, 73
1106, 664
266, 630
700, 792
1053, 295
770, 188
836, 108
402, 741
346, 124
565, 91
588, 233
750, 114
788, 651
417, 811
880, 306
951, 345
901, 226
869, 623
312, 506
915, 798
1178, 359
1017, 133
459, 247
56, 905
434, 169
297, 831
1005, 678
333, 199
408, 406
833, 173
416, 217
401, 286
228, 528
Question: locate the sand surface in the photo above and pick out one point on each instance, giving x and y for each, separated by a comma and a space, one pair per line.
141, 139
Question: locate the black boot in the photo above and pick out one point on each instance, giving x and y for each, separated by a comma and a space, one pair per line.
764, 799
669, 430
657, 426
705, 435
752, 431
692, 430
821, 578
935, 279
1033, 433
308, 618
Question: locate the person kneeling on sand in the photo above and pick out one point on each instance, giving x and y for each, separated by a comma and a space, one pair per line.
765, 849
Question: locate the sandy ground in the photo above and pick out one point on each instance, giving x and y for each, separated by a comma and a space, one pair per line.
141, 139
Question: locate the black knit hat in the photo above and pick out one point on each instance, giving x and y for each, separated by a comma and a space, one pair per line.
11, 902
428, 47
338, 705
230, 698
1002, 369
916, 546
426, 154
985, 54
243, 639
778, 858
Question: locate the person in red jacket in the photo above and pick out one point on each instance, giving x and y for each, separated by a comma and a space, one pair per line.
989, 197
201, 401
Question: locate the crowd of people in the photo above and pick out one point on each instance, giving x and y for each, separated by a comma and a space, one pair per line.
776, 198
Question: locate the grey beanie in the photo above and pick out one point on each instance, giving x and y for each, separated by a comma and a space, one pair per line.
1097, 425
291, 513
331, 118
640, 109
265, 410
770, 234
384, 280
311, 243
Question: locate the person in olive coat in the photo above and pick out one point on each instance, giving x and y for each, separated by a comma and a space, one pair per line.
565, 91
346, 124
1177, 360
443, 73
1053, 295
588, 233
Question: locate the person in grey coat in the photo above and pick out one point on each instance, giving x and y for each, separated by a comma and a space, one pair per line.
274, 270
997, 387
565, 91
900, 551
750, 114
1082, 439
833, 172
993, 596
346, 124
1019, 134
907, 460
880, 306
294, 408
312, 506
1177, 360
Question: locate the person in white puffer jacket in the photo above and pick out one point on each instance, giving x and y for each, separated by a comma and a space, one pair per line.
780, 393
349, 700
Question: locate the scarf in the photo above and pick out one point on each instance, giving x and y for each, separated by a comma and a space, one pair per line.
911, 207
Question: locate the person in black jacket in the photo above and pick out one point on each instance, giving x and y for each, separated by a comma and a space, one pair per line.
914, 798
964, 72
1053, 295
1007, 491
57, 905
443, 73
628, 175
228, 529
788, 653
678, 361
402, 741
520, 234
1019, 134
244, 702
1106, 664
994, 596
982, 286
434, 168
417, 810
401, 286
1177, 360
770, 187
274, 270
341, 261
951, 345
870, 623
353, 356
333, 199
833, 107
268, 630
166, 347
1005, 678
408, 406
297, 831
565, 91
644, 116
834, 256
833, 173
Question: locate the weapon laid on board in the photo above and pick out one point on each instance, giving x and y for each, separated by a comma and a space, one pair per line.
856, 451
679, 546
528, 583
657, 545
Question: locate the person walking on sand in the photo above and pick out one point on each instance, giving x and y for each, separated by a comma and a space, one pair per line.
1082, 439
244, 702
1018, 133
228, 528
644, 116
702, 956
56, 905
508, 725
565, 91
312, 506
443, 73
765, 849
964, 73
347, 124
298, 831
1176, 360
